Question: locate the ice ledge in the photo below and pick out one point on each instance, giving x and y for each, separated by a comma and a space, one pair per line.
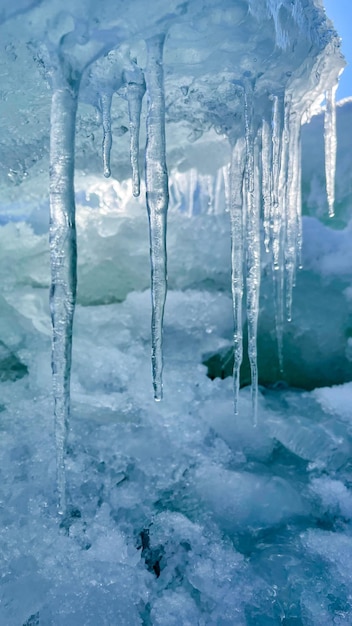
211, 48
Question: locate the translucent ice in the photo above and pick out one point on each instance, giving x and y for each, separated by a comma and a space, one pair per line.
176, 510
156, 181
63, 260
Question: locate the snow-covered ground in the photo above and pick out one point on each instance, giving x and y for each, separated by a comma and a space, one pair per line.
179, 512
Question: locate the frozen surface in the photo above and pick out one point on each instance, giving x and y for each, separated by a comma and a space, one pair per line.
176, 511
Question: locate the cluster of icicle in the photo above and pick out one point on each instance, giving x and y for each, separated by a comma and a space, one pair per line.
265, 179
265, 187
62, 217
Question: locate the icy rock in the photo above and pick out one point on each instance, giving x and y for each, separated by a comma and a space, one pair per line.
328, 446
242, 501
336, 400
174, 607
11, 368
334, 496
334, 547
245, 441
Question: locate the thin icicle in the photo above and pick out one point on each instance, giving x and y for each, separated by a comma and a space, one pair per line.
279, 172
210, 194
266, 181
157, 196
63, 258
299, 262
293, 207
218, 196
192, 188
105, 103
276, 214
226, 176
237, 252
330, 147
252, 245
135, 93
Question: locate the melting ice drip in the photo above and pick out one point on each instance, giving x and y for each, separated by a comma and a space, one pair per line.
268, 89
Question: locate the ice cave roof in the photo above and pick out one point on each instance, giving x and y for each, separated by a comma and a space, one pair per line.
212, 47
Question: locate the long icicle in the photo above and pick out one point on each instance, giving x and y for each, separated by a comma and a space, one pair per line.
293, 207
105, 103
266, 181
63, 258
278, 217
279, 269
330, 147
157, 196
237, 251
135, 93
275, 221
252, 244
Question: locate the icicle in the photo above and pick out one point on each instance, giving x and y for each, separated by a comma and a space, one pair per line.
157, 196
330, 147
277, 217
266, 181
105, 103
218, 197
226, 176
192, 188
135, 93
279, 276
237, 252
63, 258
299, 213
293, 208
210, 194
252, 245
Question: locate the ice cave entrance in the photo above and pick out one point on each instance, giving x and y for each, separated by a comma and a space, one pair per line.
237, 77
167, 175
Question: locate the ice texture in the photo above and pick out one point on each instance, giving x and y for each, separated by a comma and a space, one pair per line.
175, 508
177, 511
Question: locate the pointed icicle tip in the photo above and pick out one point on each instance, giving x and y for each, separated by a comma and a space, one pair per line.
157, 197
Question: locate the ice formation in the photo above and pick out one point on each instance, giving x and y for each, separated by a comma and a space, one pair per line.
249, 70
173, 512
